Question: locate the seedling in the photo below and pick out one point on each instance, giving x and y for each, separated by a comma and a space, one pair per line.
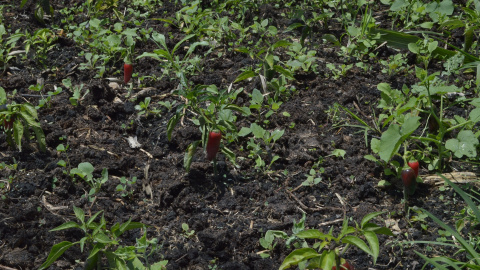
104, 242
186, 231
329, 250
17, 120
85, 172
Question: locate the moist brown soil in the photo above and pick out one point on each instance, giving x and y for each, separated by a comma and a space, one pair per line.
229, 212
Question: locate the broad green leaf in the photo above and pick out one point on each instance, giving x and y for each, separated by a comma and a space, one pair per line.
30, 109
66, 225
328, 259
353, 240
92, 218
244, 131
102, 238
3, 94
269, 60
464, 144
284, 72
245, 75
372, 240
257, 130
191, 149
257, 96
389, 142
369, 217
95, 250
18, 133
29, 119
277, 134
298, 256
40, 136
79, 214
86, 167
281, 43
161, 265
171, 125
474, 115
56, 251
312, 234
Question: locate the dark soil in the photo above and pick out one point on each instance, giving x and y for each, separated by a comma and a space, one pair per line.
229, 212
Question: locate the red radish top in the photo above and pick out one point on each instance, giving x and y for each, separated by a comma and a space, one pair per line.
213, 144
414, 165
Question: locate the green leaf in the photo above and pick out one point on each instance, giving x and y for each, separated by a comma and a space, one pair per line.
191, 149
56, 251
313, 234
328, 259
353, 240
257, 130
79, 214
245, 75
102, 238
372, 240
464, 144
284, 72
42, 144
391, 139
66, 225
465, 244
18, 133
244, 131
257, 96
281, 43
95, 250
474, 115
161, 265
229, 154
171, 125
434, 262
465, 197
298, 256
369, 217
92, 218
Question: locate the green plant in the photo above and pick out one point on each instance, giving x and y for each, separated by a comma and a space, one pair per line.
261, 145
460, 243
106, 242
339, 72
143, 107
327, 253
125, 185
268, 243
186, 231
85, 170
76, 92
6, 47
6, 183
213, 109
41, 7
181, 67
43, 40
24, 117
